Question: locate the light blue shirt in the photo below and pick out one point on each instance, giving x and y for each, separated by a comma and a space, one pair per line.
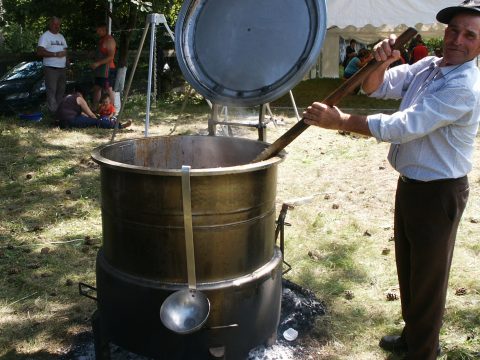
433, 133
352, 67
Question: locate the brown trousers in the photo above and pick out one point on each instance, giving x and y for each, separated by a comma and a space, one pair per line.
55, 82
426, 221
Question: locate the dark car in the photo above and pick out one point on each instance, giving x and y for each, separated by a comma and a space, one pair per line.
23, 86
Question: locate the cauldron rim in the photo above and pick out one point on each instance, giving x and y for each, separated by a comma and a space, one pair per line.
247, 167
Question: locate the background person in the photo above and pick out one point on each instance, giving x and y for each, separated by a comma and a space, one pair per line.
357, 62
104, 65
419, 52
350, 52
52, 47
432, 137
412, 45
74, 112
106, 110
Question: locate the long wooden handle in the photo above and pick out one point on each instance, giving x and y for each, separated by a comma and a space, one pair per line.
333, 99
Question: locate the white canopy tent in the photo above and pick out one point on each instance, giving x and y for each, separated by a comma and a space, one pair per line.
370, 20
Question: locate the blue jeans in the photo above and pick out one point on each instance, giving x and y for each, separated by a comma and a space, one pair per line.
82, 121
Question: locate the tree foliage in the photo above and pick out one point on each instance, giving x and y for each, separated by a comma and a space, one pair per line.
23, 21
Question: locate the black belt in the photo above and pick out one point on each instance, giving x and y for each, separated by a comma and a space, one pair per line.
407, 180
411, 181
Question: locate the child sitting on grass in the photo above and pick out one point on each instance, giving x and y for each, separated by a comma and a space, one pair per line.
106, 110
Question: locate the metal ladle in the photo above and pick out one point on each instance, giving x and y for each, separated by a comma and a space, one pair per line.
185, 311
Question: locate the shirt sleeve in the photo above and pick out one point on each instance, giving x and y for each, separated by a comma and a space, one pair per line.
42, 41
65, 42
395, 81
446, 106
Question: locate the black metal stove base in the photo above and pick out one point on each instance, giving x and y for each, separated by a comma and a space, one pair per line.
244, 314
103, 349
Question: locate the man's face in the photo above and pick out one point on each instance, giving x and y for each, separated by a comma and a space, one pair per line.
101, 31
461, 39
54, 26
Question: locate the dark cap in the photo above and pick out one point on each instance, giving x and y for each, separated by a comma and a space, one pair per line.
467, 6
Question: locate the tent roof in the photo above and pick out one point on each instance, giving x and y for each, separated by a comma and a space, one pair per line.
359, 13
368, 21
369, 33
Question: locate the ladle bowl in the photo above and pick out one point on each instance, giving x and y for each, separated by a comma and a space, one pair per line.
185, 311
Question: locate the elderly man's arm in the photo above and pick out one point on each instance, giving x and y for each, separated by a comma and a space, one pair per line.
328, 117
333, 118
384, 53
42, 52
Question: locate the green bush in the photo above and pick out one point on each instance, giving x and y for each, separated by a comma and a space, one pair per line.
434, 43
18, 39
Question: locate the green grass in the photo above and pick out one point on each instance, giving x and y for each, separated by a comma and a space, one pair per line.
339, 242
308, 91
338, 245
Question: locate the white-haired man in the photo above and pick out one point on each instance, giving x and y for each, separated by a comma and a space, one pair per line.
52, 47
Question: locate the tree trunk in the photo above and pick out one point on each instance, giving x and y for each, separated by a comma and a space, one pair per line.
125, 37
124, 45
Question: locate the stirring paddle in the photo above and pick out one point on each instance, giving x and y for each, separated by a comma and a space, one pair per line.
334, 98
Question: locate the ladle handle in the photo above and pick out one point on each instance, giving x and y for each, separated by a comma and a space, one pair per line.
187, 224
333, 99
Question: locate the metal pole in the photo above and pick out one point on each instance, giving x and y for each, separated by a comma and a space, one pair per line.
155, 19
294, 105
262, 131
149, 86
110, 7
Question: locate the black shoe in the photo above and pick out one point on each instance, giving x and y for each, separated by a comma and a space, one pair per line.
126, 124
393, 343
398, 344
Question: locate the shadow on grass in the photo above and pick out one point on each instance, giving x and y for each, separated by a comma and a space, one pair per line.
49, 196
358, 318
50, 232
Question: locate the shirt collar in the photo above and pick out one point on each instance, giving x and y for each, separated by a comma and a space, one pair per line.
445, 70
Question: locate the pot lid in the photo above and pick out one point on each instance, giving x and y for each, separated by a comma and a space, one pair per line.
248, 52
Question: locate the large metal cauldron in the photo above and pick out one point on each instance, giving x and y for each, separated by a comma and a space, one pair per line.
143, 259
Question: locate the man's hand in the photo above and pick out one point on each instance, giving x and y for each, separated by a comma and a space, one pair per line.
325, 116
384, 51
333, 118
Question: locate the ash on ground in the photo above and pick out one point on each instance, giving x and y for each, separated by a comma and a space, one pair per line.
300, 307
299, 310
